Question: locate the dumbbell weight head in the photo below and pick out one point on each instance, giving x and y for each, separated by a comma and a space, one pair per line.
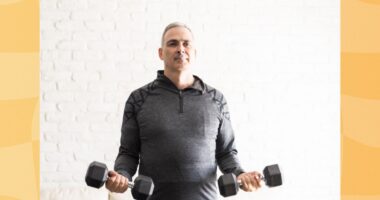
97, 174
272, 175
143, 187
228, 185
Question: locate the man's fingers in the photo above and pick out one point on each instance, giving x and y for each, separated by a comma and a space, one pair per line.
115, 183
110, 184
246, 185
121, 186
256, 180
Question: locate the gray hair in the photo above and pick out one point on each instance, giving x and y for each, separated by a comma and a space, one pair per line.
173, 25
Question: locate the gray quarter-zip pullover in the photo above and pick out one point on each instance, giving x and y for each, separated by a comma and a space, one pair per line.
178, 137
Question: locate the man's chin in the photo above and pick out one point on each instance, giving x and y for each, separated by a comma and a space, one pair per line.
180, 66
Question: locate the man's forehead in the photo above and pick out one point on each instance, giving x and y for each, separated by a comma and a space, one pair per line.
178, 34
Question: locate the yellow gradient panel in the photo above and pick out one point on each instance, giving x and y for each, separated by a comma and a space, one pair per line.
19, 22
19, 100
18, 178
19, 75
360, 99
361, 74
16, 120
359, 28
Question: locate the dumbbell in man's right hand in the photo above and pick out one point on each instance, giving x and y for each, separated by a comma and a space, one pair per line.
116, 182
229, 184
98, 174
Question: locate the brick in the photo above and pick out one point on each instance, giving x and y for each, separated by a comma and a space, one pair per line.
89, 97
49, 127
100, 65
64, 86
71, 5
47, 25
57, 177
72, 127
102, 45
54, 14
104, 127
48, 147
48, 5
58, 157
55, 76
72, 107
91, 117
52, 55
69, 25
70, 66
85, 15
58, 96
102, 86
93, 55
49, 167
71, 45
46, 107
86, 36
85, 76
48, 86
59, 117
100, 25
73, 167
103, 107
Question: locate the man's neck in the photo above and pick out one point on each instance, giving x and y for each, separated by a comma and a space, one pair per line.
181, 79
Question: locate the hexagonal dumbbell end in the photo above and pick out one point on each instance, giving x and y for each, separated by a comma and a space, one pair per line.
272, 175
97, 174
143, 187
228, 185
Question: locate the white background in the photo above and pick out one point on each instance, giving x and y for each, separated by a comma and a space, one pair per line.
276, 61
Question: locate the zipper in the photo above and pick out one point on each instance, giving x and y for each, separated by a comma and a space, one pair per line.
180, 102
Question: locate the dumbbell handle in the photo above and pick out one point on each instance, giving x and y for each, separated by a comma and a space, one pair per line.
130, 184
261, 178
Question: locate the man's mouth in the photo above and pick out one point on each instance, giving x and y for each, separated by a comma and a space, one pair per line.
180, 57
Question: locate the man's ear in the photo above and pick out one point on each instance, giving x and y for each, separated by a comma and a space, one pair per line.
160, 53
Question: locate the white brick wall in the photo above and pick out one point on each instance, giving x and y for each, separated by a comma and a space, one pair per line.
282, 62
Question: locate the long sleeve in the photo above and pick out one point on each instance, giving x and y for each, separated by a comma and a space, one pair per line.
128, 156
226, 153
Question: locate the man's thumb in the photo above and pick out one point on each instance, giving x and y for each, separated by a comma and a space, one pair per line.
112, 173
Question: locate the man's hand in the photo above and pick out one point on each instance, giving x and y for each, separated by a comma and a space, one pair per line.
250, 181
116, 182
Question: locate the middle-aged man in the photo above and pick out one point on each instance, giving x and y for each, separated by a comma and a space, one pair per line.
178, 129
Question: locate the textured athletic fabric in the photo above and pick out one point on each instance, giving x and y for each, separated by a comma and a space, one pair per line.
178, 138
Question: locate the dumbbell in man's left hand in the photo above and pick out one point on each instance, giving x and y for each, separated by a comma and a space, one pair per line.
250, 181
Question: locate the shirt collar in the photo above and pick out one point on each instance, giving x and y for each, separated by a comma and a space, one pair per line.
167, 83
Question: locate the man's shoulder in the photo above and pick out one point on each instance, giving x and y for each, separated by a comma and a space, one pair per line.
141, 93
215, 93
219, 99
145, 88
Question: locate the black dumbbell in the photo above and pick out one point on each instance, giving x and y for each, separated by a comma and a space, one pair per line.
97, 175
228, 185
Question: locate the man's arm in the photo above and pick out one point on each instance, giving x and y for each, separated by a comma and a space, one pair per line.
128, 156
226, 153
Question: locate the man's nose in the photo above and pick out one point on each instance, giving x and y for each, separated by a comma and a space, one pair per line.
181, 48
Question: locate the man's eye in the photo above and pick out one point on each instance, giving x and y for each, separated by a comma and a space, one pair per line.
187, 44
171, 44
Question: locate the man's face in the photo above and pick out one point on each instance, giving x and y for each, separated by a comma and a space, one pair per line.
177, 50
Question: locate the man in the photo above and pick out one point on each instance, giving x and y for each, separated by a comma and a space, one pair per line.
178, 129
